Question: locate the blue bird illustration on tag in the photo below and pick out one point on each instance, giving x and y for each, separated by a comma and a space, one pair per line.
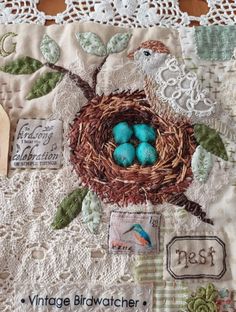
140, 235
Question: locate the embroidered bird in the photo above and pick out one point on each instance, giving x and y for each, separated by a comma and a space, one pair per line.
176, 94
140, 235
174, 90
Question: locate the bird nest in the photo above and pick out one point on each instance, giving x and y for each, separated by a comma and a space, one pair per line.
92, 147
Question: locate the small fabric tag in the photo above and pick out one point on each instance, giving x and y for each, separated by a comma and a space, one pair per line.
84, 297
137, 233
195, 257
37, 144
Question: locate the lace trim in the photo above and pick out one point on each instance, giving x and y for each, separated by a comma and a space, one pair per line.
182, 91
124, 13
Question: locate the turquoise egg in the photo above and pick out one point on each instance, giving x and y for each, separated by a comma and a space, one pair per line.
145, 133
124, 155
122, 132
146, 154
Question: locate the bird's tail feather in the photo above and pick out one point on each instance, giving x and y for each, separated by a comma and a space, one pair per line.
190, 206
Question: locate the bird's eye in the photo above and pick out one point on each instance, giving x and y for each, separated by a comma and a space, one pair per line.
146, 53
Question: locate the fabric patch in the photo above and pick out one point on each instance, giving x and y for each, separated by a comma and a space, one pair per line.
7, 47
4, 141
84, 297
37, 144
136, 233
195, 257
224, 301
215, 43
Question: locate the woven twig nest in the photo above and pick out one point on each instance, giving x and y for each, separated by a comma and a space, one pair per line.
92, 145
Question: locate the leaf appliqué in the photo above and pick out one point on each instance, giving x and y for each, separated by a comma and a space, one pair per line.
202, 163
23, 66
69, 208
92, 211
91, 43
210, 140
118, 42
44, 84
50, 49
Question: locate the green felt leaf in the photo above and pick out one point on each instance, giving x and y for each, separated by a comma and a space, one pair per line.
44, 84
118, 42
92, 211
22, 66
50, 49
69, 208
91, 43
210, 140
202, 163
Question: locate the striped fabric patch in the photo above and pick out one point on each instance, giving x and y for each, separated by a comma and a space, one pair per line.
168, 296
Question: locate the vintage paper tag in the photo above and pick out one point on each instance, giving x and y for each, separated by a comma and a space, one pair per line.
4, 141
195, 257
137, 233
37, 144
84, 297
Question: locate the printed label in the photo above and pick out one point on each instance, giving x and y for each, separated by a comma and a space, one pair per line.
84, 297
137, 233
37, 144
191, 257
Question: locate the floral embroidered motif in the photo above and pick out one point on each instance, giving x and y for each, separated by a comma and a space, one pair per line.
44, 84
5, 48
202, 163
92, 43
50, 49
215, 43
210, 140
92, 211
225, 302
22, 66
204, 300
69, 208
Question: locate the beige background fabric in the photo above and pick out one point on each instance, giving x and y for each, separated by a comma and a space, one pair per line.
31, 251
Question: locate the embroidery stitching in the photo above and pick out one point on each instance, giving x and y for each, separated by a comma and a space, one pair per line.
190, 257
3, 49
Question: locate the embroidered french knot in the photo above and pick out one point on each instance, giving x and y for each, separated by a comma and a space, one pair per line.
37, 144
195, 257
137, 233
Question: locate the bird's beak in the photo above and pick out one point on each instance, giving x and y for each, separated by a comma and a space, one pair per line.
131, 54
128, 230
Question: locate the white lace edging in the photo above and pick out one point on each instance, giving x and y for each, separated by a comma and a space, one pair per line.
123, 13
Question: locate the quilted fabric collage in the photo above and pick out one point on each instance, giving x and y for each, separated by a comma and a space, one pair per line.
117, 158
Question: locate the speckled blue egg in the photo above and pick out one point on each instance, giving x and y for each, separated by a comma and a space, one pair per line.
146, 154
122, 132
145, 133
124, 155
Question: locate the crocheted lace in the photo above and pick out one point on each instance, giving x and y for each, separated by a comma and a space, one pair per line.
127, 13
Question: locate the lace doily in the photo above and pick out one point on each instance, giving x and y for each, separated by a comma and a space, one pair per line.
126, 13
